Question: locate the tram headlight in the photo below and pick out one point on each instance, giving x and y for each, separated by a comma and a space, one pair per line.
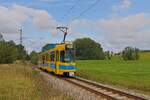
69, 46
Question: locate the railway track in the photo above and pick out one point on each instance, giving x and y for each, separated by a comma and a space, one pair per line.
103, 91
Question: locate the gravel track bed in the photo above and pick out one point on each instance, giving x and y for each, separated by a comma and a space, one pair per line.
129, 91
74, 91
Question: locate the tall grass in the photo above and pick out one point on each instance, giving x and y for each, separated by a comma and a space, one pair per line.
20, 82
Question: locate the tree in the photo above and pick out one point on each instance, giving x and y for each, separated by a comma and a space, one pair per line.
1, 37
108, 55
137, 53
87, 48
130, 53
10, 52
111, 54
22, 54
34, 57
7, 52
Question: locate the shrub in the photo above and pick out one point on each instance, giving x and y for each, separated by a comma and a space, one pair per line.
130, 53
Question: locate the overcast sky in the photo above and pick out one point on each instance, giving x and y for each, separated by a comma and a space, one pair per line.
113, 23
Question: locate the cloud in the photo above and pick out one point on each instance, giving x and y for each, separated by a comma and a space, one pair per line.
126, 24
114, 33
14, 17
10, 20
125, 4
118, 32
42, 20
125, 28
81, 24
133, 32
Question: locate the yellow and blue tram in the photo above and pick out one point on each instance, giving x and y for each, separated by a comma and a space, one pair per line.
58, 58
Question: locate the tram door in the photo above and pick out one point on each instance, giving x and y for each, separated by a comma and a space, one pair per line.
57, 62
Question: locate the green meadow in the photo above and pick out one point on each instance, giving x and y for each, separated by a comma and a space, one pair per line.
145, 56
127, 74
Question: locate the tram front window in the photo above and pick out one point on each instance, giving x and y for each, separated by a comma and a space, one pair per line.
67, 56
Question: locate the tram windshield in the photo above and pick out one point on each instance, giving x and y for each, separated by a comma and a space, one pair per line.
67, 56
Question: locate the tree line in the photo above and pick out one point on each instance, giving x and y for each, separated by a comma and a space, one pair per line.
86, 49
11, 52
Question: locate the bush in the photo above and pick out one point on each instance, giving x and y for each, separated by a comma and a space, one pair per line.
34, 57
130, 53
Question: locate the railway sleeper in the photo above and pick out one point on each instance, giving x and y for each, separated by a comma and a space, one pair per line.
117, 96
108, 93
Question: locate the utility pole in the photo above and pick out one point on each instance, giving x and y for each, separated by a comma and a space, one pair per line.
64, 30
20, 30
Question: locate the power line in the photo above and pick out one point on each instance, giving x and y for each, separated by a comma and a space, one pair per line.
84, 11
70, 10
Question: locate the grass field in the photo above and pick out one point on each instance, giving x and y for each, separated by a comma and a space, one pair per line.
129, 74
20, 82
145, 56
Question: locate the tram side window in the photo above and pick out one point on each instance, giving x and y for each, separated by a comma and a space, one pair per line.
57, 56
43, 59
52, 57
62, 56
47, 57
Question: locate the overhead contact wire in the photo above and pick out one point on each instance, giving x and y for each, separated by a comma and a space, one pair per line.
87, 9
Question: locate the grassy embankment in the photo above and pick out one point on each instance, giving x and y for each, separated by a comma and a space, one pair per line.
129, 74
20, 82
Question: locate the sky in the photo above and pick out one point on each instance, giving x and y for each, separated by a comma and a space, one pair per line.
115, 24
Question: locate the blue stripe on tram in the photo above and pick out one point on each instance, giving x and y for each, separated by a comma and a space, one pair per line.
52, 65
44, 65
62, 67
